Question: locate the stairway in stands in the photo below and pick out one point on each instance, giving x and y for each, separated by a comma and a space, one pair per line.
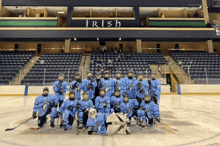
154, 68
86, 67
23, 72
178, 71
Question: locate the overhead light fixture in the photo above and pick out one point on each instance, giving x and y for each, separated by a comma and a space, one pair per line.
75, 39
60, 12
119, 39
97, 39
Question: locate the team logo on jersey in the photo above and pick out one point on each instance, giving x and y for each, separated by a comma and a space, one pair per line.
130, 88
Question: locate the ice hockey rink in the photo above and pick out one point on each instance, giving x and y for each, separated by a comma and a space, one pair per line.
187, 120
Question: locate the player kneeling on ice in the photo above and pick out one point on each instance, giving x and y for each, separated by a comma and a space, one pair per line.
102, 103
96, 122
69, 107
48, 103
127, 107
85, 105
116, 100
148, 110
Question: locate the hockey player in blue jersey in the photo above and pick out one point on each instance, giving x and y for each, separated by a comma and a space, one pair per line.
89, 85
76, 86
96, 122
130, 84
85, 105
69, 107
102, 102
141, 88
155, 89
120, 84
42, 102
127, 107
107, 84
60, 88
148, 110
116, 100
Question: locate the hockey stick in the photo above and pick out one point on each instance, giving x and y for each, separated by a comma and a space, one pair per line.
9, 129
81, 131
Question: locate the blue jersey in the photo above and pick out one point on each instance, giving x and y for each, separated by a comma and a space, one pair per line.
108, 85
99, 104
63, 88
128, 108
41, 103
77, 88
85, 105
149, 109
98, 124
145, 87
120, 84
116, 101
130, 87
90, 91
156, 88
68, 103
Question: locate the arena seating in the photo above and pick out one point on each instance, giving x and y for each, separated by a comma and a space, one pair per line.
198, 62
128, 60
11, 63
52, 65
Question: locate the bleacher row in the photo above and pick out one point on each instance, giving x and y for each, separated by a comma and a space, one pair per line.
138, 62
11, 63
199, 65
151, 58
50, 65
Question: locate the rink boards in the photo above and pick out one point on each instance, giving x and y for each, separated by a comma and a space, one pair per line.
19, 90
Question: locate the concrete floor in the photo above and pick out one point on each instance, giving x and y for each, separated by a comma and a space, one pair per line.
187, 120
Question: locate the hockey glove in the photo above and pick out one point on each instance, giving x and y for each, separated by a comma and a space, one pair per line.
70, 107
60, 91
34, 115
158, 119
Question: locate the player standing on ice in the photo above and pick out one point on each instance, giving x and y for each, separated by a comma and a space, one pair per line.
60, 88
141, 88
155, 89
130, 84
45, 102
89, 85
76, 86
69, 107
98, 79
120, 83
107, 84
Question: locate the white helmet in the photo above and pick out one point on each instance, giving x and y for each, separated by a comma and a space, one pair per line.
92, 116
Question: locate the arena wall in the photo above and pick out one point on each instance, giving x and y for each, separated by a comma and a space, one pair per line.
19, 90
199, 88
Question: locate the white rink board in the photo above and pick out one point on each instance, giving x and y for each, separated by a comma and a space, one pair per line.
19, 89
39, 89
12, 89
200, 88
165, 88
